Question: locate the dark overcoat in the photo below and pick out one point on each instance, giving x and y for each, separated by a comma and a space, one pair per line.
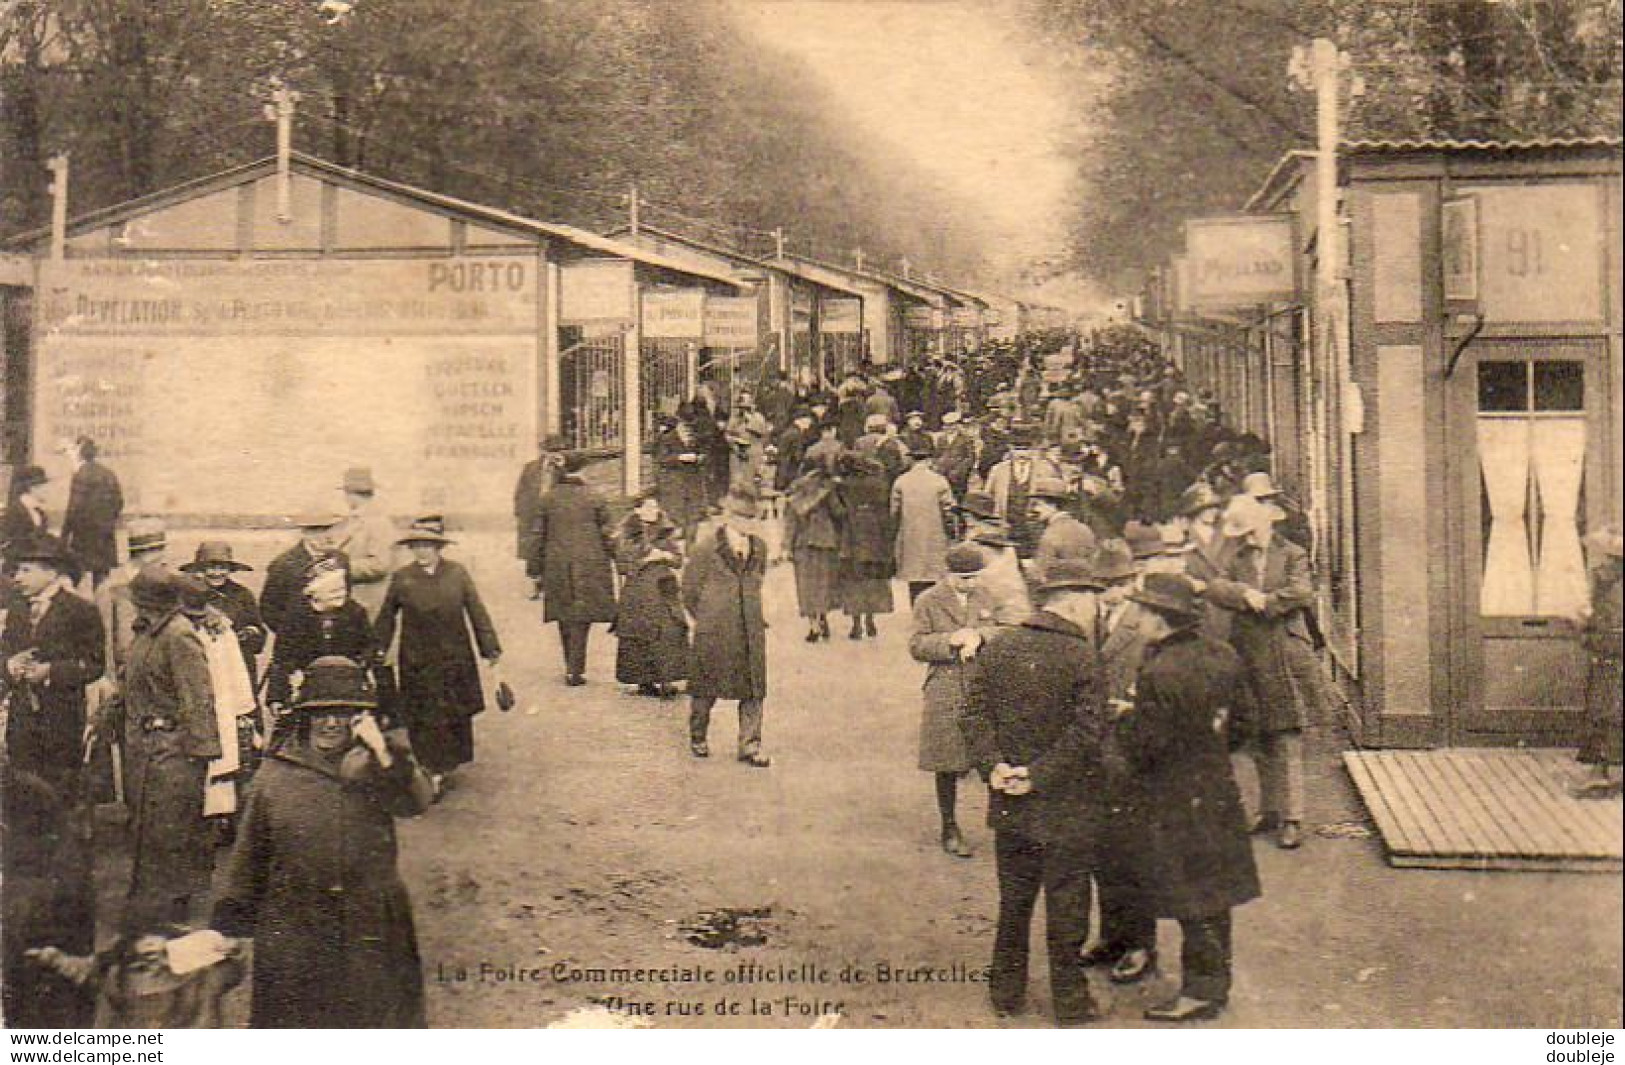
95, 503
46, 890
868, 533
313, 879
682, 478
439, 678
1036, 700
1600, 635
1195, 858
307, 635
650, 625
1276, 649
723, 593
574, 547
535, 479
938, 613
285, 577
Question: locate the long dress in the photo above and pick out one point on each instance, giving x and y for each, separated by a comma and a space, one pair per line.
439, 679
815, 544
867, 541
313, 879
650, 625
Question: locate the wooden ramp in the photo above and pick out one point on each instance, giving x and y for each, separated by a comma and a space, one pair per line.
1487, 808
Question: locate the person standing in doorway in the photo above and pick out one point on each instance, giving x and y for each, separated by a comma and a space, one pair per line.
575, 548
95, 503
722, 591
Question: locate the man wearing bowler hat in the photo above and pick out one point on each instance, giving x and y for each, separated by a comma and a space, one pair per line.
367, 538
285, 576
1195, 861
722, 592
1034, 718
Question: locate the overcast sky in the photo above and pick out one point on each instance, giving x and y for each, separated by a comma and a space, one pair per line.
948, 82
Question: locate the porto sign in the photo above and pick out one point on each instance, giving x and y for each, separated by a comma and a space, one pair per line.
1239, 261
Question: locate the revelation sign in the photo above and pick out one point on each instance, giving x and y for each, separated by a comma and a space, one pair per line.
422, 369
1239, 261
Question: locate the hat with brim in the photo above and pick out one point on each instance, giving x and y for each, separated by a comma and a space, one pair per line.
993, 538
876, 422
953, 417
29, 477
1197, 498
1259, 486
977, 505
154, 589
1144, 541
314, 520
358, 479
1050, 489
430, 529
42, 548
965, 559
146, 534
1245, 515
214, 553
1114, 563
335, 683
1069, 575
1170, 595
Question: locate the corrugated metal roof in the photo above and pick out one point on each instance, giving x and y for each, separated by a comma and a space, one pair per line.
1452, 145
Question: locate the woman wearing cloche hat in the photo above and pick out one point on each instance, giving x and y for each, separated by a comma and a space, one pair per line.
435, 604
319, 827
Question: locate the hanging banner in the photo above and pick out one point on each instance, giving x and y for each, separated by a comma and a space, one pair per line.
596, 290
730, 321
674, 314
840, 316
1239, 261
923, 318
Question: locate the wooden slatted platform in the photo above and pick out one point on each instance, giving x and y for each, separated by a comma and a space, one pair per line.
1487, 808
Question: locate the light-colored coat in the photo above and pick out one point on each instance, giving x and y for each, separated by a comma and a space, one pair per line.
369, 540
938, 613
921, 503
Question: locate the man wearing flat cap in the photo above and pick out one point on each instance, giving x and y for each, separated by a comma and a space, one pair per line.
1034, 720
285, 577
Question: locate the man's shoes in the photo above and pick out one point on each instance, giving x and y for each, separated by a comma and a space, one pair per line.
1264, 824
1291, 837
699, 749
1101, 954
857, 630
575, 680
823, 628
953, 843
1184, 1009
756, 761
812, 635
1009, 1009
1135, 965
869, 625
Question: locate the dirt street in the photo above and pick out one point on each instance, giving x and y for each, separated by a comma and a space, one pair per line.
585, 838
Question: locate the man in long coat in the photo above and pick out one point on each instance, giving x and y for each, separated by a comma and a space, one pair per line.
95, 503
956, 453
575, 546
1197, 861
170, 735
1033, 723
1268, 587
722, 592
922, 508
284, 588
51, 648
367, 539
535, 481
682, 477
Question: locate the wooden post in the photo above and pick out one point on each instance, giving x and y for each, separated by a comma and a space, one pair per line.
283, 117
58, 165
634, 217
553, 408
632, 397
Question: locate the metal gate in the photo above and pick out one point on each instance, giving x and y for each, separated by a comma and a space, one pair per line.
664, 379
590, 376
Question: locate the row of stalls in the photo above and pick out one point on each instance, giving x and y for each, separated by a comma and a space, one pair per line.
303, 317
1449, 414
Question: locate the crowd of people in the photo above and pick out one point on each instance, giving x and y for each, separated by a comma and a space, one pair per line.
1107, 590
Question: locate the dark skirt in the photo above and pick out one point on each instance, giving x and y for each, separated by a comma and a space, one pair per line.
651, 629
1604, 709
863, 594
442, 743
173, 856
817, 573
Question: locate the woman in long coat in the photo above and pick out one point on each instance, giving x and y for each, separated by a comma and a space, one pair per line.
575, 542
1600, 635
437, 605
867, 543
312, 877
1195, 862
1268, 587
651, 626
812, 520
944, 615
682, 479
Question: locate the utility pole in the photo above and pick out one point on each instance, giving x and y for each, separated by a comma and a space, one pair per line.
633, 204
58, 166
778, 242
281, 112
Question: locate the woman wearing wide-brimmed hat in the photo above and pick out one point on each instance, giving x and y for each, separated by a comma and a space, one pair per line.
313, 877
216, 565
651, 628
435, 604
